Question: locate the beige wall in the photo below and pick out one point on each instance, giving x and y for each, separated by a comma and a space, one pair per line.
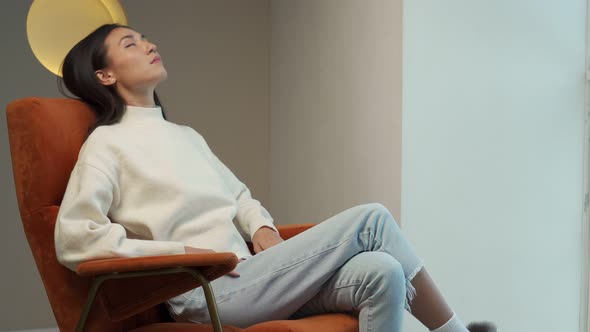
336, 70
216, 53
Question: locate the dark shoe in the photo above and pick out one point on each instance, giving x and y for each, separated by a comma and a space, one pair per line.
482, 327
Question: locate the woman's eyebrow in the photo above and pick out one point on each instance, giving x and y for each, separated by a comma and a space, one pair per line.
130, 36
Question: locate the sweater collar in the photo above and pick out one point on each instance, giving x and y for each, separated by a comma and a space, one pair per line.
137, 112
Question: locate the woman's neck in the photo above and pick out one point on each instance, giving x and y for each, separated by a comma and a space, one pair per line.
144, 98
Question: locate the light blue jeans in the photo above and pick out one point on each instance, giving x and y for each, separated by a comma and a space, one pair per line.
358, 262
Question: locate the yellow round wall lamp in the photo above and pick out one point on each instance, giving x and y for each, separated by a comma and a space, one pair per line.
55, 26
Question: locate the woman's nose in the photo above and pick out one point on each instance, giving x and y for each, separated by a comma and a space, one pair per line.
151, 47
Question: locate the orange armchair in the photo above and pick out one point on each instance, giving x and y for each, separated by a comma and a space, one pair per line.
120, 294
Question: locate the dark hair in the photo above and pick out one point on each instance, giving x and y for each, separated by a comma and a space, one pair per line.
78, 70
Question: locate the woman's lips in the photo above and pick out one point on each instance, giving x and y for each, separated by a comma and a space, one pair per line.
156, 59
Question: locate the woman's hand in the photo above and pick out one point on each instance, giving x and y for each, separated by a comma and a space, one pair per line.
264, 238
191, 250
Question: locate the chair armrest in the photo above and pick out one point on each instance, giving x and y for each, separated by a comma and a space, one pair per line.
288, 231
219, 261
124, 297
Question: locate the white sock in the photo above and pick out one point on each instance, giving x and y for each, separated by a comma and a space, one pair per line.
453, 325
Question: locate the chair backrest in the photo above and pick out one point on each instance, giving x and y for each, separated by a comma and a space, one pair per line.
45, 136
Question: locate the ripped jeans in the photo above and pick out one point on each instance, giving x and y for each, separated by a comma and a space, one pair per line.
357, 261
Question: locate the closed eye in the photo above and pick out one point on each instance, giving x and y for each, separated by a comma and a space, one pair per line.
129, 45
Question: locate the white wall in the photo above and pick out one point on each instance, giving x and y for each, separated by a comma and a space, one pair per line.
492, 156
335, 97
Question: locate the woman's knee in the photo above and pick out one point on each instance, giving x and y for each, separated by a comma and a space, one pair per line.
377, 213
382, 268
387, 280
376, 208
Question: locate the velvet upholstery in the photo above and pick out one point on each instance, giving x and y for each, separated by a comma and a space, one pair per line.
324, 323
225, 261
319, 323
45, 136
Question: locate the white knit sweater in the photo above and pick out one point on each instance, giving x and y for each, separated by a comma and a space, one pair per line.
146, 186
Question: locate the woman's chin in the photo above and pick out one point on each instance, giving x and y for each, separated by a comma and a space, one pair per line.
163, 76
154, 81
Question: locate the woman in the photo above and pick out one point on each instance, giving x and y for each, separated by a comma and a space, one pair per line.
146, 186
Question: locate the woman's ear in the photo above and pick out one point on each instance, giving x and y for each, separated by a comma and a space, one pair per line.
104, 77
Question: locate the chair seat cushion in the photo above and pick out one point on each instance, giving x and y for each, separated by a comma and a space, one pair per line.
325, 323
335, 322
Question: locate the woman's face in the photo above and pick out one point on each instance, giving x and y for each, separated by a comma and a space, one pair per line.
133, 63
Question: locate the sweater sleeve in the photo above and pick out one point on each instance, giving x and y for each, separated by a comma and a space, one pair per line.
251, 214
83, 231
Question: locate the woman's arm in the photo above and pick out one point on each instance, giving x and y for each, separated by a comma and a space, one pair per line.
83, 230
251, 214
